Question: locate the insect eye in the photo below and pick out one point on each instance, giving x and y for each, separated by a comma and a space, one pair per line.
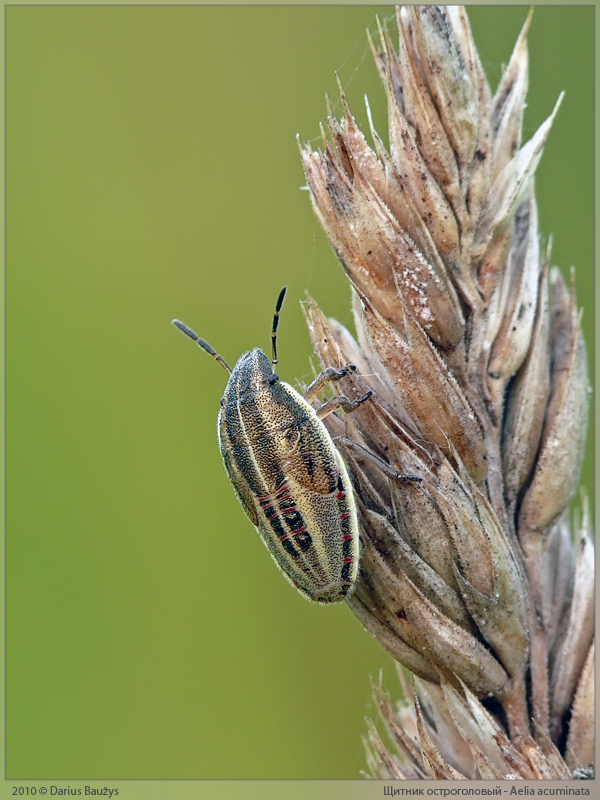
272, 379
222, 401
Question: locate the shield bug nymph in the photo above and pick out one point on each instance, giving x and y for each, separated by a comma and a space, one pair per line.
287, 472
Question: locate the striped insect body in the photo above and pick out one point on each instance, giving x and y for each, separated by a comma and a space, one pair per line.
287, 473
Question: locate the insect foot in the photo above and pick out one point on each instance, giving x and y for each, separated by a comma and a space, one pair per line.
287, 472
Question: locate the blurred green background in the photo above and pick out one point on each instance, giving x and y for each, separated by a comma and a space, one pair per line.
153, 173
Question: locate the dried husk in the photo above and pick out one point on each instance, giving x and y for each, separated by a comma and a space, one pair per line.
467, 456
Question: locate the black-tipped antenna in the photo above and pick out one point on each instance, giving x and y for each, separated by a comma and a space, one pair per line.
204, 345
276, 322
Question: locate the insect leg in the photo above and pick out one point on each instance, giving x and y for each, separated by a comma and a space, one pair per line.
383, 466
325, 377
340, 402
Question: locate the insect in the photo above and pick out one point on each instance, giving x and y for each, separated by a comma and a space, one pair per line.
286, 471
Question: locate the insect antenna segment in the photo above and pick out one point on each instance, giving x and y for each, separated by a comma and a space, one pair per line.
201, 343
276, 323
